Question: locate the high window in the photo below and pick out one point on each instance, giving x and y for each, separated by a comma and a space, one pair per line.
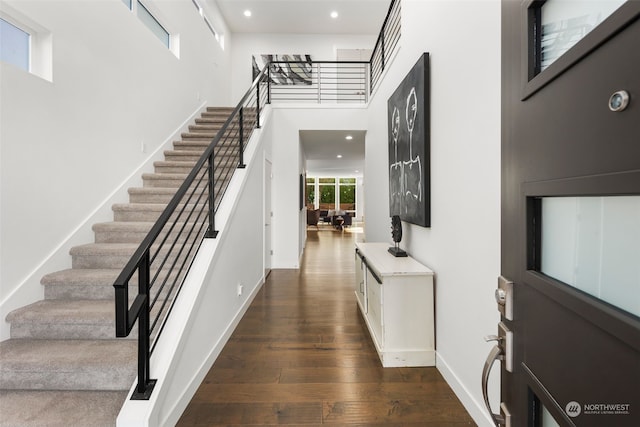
152, 23
15, 47
25, 44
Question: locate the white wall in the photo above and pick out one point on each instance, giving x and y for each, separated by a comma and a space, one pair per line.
463, 244
117, 95
321, 47
289, 222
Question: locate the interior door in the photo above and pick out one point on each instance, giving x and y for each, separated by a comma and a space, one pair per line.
570, 328
268, 216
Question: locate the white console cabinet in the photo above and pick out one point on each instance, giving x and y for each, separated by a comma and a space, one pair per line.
395, 296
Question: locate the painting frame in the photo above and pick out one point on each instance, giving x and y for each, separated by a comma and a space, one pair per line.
408, 124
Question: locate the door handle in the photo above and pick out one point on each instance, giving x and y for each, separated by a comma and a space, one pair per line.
496, 353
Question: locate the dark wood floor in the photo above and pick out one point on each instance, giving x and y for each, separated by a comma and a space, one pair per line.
302, 355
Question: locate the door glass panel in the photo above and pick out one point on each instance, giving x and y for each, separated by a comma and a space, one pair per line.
547, 420
566, 22
593, 244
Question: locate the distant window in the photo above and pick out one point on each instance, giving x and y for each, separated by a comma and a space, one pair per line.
14, 45
152, 23
206, 21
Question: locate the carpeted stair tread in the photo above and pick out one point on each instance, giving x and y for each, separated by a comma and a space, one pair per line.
182, 155
104, 249
200, 143
157, 195
212, 126
67, 364
121, 231
80, 283
64, 319
173, 167
26, 408
227, 110
102, 255
130, 232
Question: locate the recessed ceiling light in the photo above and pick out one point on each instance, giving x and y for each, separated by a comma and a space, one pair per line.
357, 171
247, 13
334, 14
339, 156
348, 137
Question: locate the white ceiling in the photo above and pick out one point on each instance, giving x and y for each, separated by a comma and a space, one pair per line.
304, 16
321, 148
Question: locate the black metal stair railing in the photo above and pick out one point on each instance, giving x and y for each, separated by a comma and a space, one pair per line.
162, 260
386, 45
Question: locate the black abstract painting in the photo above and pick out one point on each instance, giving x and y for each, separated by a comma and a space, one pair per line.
296, 69
409, 159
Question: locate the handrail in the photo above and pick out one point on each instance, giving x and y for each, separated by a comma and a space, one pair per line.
200, 193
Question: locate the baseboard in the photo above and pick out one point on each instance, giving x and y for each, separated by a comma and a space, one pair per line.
475, 408
29, 290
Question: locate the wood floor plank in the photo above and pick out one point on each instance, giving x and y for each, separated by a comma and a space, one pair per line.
302, 356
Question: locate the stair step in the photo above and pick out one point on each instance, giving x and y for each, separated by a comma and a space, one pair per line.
102, 255
57, 408
67, 364
94, 284
138, 212
157, 195
212, 126
113, 255
175, 180
121, 232
133, 232
201, 144
182, 156
211, 119
65, 319
82, 284
173, 167
227, 110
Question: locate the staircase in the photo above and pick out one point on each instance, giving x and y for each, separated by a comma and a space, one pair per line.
62, 365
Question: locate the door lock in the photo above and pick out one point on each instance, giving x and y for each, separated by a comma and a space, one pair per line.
504, 297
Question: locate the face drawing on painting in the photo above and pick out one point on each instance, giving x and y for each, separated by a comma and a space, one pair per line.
412, 169
395, 169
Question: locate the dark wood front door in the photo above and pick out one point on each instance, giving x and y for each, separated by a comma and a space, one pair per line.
571, 214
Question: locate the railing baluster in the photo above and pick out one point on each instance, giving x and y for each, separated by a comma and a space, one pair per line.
269, 85
258, 104
211, 231
241, 164
145, 384
318, 73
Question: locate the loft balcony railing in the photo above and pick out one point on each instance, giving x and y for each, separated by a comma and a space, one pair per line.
318, 81
162, 261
